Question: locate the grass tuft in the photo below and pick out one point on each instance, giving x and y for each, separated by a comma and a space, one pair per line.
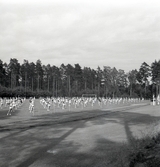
144, 152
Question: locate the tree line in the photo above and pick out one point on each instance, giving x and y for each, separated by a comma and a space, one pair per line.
35, 79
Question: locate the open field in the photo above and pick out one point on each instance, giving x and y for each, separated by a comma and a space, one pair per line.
76, 137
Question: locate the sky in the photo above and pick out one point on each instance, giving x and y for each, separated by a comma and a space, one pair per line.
115, 33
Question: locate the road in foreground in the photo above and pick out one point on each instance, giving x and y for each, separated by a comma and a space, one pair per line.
61, 139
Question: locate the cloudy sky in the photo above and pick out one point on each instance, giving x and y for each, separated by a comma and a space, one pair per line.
115, 33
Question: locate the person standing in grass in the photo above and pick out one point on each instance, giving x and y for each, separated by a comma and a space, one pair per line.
31, 105
1, 103
10, 108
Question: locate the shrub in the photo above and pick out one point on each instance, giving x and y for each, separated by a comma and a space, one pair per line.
143, 152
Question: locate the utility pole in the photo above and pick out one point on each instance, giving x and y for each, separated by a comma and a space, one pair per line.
11, 79
69, 87
38, 84
53, 86
48, 83
32, 84
56, 86
25, 82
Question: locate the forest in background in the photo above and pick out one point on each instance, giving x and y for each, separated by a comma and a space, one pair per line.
35, 79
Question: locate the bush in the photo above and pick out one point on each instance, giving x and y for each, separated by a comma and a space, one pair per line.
143, 152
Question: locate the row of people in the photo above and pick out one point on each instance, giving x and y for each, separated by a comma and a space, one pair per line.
5, 102
46, 103
83, 102
13, 104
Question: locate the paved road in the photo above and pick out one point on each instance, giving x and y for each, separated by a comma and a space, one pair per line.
66, 139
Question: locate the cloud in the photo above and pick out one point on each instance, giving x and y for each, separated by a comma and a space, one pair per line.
90, 34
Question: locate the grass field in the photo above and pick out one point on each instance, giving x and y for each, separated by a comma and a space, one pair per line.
136, 152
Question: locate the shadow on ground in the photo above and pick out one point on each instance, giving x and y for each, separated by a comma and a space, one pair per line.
42, 150
3, 114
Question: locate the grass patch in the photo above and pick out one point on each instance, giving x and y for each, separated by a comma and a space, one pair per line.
143, 152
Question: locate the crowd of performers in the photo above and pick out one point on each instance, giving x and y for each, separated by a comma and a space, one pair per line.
66, 103
11, 103
83, 102
63, 103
